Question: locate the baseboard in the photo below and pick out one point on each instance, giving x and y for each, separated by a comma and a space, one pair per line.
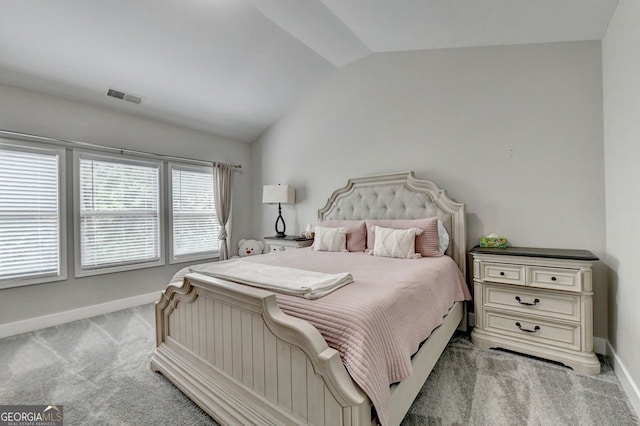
32, 324
600, 345
628, 384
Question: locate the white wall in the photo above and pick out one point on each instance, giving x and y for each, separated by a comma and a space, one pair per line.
32, 112
621, 80
515, 132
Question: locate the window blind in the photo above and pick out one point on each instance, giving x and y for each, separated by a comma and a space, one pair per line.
29, 213
195, 224
119, 213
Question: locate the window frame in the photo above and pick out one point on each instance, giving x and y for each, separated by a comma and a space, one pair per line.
25, 146
121, 159
173, 259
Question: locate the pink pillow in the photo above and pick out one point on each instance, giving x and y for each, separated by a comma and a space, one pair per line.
427, 244
356, 232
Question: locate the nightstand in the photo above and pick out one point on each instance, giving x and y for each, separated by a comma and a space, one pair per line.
536, 301
287, 243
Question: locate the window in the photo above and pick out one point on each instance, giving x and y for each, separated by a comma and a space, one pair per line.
194, 224
118, 214
32, 215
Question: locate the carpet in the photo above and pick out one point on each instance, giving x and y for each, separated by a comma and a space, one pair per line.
98, 369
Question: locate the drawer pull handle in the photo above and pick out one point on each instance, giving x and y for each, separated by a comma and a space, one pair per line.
535, 329
535, 301
502, 274
553, 278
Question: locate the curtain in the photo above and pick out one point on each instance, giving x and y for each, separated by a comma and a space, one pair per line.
222, 192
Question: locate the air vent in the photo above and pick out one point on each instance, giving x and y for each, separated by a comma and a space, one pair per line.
132, 98
124, 96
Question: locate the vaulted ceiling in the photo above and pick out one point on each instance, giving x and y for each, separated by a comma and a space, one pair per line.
233, 67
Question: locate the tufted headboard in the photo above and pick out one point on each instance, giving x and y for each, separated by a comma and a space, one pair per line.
400, 196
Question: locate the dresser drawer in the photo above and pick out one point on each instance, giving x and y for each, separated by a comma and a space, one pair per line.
524, 300
565, 336
554, 278
501, 273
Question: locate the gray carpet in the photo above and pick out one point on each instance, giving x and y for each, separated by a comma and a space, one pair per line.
99, 370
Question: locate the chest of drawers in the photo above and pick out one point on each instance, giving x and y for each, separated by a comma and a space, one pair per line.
536, 301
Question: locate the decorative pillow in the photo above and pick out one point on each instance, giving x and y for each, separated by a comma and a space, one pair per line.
330, 239
399, 243
356, 232
427, 244
443, 238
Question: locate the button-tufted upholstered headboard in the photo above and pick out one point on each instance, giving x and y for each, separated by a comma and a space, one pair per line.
400, 196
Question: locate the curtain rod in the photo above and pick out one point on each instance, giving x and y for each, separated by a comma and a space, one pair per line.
72, 143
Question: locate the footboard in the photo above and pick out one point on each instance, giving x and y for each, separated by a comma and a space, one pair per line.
232, 350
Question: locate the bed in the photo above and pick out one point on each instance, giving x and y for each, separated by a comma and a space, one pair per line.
236, 354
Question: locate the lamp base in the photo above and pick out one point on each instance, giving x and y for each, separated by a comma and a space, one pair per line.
280, 220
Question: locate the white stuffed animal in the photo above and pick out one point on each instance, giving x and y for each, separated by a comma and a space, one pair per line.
250, 247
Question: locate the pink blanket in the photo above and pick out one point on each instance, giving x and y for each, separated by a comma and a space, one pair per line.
377, 322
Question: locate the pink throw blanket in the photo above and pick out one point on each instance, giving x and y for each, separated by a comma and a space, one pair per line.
377, 322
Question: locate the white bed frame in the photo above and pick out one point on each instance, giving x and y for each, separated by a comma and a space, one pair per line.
232, 350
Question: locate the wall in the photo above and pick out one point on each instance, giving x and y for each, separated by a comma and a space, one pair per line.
621, 82
36, 113
515, 132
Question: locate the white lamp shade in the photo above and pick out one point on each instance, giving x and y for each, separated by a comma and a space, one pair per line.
273, 194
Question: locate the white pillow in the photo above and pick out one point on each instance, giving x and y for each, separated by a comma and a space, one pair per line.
443, 238
330, 239
399, 243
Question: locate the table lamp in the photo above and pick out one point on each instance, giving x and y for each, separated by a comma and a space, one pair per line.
281, 194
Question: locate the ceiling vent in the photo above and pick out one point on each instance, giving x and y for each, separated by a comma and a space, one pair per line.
114, 93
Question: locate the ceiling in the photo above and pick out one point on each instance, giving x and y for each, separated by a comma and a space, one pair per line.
233, 67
